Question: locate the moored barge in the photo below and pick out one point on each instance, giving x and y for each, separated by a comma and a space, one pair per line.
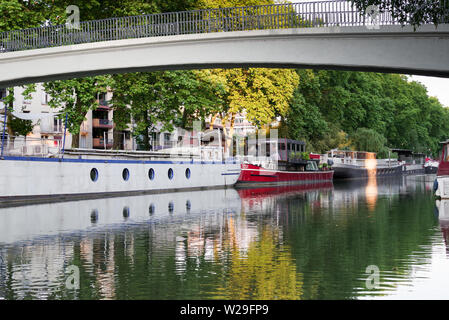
281, 162
88, 173
360, 164
441, 184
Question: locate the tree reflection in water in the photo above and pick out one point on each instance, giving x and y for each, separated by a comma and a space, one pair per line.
270, 243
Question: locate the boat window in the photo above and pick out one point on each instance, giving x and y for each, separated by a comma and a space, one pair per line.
126, 212
151, 174
282, 146
94, 174
311, 166
170, 173
188, 173
125, 174
94, 216
151, 209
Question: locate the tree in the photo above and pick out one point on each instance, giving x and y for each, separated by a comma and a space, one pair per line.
329, 107
75, 98
414, 12
19, 14
170, 98
263, 94
365, 139
16, 126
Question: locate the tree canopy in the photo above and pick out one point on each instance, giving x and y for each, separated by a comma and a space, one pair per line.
414, 12
329, 107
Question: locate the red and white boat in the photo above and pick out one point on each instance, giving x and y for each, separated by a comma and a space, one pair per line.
285, 162
441, 185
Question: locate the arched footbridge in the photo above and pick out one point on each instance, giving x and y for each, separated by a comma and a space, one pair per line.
322, 35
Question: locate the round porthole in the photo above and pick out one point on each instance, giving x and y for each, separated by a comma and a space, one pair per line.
126, 212
188, 173
94, 216
170, 173
94, 174
151, 209
125, 174
151, 174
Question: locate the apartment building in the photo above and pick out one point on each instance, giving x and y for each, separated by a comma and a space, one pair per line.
96, 132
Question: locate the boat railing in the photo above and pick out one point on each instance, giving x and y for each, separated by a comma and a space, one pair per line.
54, 148
362, 162
31, 147
264, 162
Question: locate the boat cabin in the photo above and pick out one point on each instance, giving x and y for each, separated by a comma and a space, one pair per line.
443, 168
350, 157
288, 154
281, 149
409, 157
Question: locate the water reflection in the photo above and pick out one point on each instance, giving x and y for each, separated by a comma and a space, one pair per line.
292, 242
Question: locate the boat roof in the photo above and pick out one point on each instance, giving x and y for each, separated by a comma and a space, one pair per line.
445, 142
353, 151
279, 140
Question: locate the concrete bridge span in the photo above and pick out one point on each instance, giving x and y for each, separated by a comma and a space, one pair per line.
391, 49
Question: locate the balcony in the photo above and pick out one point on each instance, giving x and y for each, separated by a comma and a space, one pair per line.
84, 129
103, 105
102, 123
99, 143
51, 129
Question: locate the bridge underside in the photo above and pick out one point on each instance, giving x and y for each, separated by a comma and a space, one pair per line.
389, 49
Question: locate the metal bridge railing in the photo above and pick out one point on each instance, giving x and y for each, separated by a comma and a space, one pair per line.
276, 16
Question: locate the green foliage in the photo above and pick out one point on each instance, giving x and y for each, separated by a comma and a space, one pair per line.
369, 140
329, 107
16, 126
414, 12
299, 155
76, 97
17, 14
20, 127
170, 98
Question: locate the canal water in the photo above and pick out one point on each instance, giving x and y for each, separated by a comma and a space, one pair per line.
361, 239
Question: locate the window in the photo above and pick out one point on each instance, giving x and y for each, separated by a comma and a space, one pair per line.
170, 173
126, 212
125, 174
188, 173
102, 96
57, 124
94, 174
44, 98
94, 216
2, 93
151, 174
